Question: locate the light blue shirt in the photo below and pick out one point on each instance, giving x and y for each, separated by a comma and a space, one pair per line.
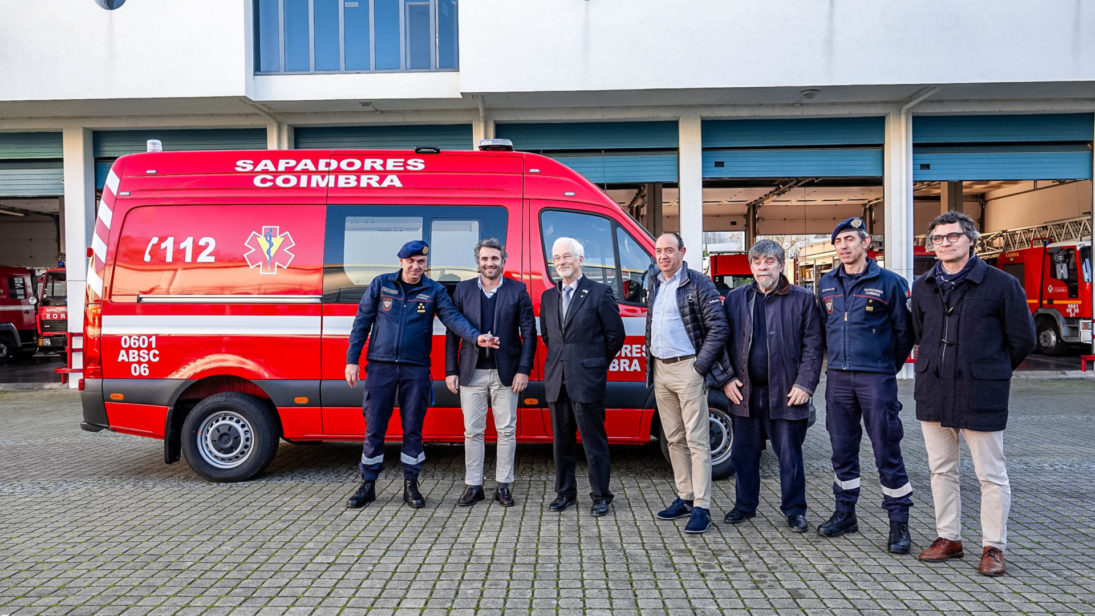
668, 338
489, 294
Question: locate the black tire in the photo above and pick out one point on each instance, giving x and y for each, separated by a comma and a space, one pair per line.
1049, 338
722, 438
7, 349
229, 437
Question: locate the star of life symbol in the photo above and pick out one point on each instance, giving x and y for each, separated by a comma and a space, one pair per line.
269, 249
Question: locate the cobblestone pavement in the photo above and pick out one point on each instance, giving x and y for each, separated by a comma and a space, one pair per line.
96, 523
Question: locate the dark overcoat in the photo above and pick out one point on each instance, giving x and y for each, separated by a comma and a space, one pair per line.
967, 352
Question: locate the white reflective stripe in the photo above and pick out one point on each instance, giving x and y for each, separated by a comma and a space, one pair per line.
98, 246
373, 460
105, 214
211, 325
27, 307
851, 484
94, 281
405, 459
337, 326
112, 181
897, 492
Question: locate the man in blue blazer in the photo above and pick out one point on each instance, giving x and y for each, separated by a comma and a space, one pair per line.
501, 307
581, 326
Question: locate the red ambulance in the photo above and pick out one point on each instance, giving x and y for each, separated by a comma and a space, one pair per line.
223, 285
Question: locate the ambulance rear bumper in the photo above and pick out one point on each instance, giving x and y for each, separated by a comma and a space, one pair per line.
91, 398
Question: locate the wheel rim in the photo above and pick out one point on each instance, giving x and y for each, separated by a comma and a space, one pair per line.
1047, 338
225, 439
722, 436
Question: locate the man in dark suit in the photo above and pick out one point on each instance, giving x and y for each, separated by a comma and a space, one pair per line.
501, 307
581, 326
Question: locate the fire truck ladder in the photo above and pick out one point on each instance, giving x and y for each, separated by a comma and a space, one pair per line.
1072, 229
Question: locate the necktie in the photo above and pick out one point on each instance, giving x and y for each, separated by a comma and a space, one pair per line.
566, 300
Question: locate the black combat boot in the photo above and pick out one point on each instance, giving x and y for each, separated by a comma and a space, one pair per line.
364, 495
411, 495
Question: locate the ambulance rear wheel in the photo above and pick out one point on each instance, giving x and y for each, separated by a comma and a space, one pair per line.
229, 437
1049, 338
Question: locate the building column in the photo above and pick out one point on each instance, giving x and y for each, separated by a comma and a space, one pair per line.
690, 187
279, 135
898, 198
79, 212
950, 197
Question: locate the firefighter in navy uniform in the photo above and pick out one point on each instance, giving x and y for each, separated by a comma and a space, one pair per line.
398, 309
868, 335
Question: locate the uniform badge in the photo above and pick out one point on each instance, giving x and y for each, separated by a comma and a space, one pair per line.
856, 223
386, 303
829, 306
421, 308
870, 306
425, 250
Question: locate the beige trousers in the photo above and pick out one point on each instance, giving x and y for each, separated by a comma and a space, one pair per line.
486, 388
682, 406
987, 451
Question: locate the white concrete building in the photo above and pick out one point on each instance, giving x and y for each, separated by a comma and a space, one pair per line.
707, 116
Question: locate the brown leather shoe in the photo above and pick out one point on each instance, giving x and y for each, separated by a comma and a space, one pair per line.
942, 549
992, 562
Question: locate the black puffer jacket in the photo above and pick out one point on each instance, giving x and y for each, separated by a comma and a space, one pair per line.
701, 311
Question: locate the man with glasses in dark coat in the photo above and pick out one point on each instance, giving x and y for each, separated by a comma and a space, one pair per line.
974, 328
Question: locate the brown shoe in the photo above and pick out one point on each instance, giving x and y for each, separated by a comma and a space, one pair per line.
992, 562
942, 549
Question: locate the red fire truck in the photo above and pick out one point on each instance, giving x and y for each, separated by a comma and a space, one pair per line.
17, 330
1057, 280
52, 311
223, 285
729, 271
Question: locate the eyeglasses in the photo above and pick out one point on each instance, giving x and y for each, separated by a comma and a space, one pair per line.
564, 257
950, 237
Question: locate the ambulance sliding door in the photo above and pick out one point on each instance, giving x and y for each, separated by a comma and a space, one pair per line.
361, 244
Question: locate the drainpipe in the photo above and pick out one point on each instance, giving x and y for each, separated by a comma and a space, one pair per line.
281, 129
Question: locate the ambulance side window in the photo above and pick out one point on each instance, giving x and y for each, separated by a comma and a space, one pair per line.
18, 287
612, 256
362, 242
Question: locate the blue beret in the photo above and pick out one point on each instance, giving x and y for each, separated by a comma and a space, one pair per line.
855, 222
413, 248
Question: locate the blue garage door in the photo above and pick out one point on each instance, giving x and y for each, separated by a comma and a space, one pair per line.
446, 137
1003, 147
603, 152
31, 165
812, 147
109, 145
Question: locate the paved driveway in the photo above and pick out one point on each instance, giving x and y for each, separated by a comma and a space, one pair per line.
96, 523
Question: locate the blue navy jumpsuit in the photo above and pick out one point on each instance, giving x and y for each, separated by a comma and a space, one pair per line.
400, 318
868, 335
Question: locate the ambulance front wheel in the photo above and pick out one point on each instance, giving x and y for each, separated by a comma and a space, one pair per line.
229, 437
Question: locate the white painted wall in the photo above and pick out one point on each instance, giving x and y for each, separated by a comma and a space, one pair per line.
28, 241
73, 49
578, 45
1059, 202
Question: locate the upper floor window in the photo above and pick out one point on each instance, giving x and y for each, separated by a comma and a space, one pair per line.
322, 36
